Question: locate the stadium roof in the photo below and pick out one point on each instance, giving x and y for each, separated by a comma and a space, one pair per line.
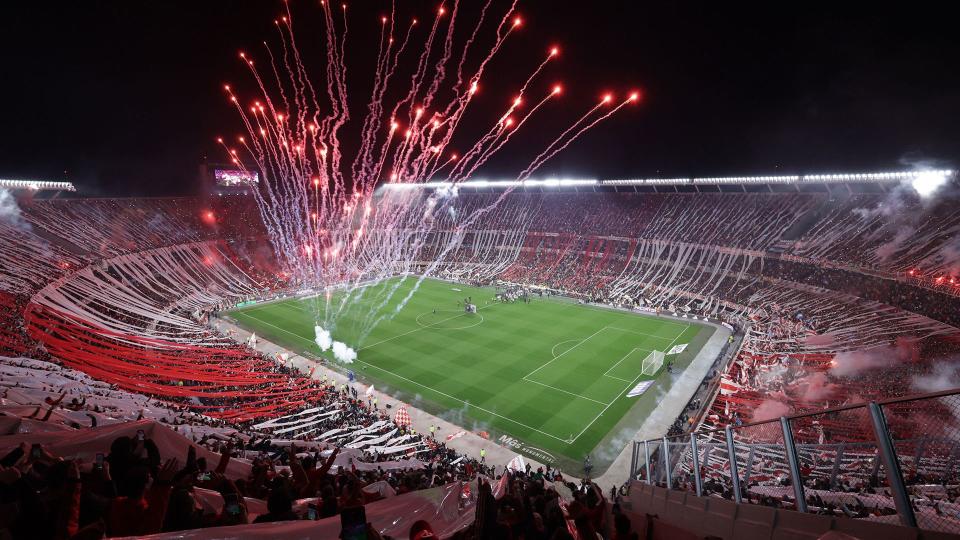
36, 185
933, 176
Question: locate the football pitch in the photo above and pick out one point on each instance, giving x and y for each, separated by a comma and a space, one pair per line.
553, 374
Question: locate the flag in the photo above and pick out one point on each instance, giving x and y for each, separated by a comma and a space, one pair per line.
728, 386
369, 390
402, 418
517, 464
456, 435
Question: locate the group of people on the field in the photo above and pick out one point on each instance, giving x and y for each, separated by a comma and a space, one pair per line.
514, 293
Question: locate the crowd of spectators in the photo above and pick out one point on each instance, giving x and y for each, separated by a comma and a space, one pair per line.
732, 258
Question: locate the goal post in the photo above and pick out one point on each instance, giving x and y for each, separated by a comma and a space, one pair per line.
652, 363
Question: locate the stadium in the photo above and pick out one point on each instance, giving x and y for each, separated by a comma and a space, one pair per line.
394, 345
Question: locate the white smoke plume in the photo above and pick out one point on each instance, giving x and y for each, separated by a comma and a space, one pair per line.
852, 363
9, 211
770, 410
322, 338
925, 185
902, 236
819, 387
344, 353
944, 375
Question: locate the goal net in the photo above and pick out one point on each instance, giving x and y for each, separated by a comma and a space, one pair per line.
652, 363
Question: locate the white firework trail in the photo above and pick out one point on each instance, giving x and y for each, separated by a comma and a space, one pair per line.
319, 203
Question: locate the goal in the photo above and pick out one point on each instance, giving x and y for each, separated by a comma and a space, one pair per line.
652, 363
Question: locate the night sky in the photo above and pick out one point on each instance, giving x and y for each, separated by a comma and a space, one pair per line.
124, 97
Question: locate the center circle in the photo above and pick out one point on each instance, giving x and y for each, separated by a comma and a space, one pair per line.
445, 319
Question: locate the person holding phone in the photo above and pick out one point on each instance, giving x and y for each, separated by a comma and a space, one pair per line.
279, 506
234, 510
354, 525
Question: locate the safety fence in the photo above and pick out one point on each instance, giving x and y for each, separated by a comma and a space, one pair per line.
894, 461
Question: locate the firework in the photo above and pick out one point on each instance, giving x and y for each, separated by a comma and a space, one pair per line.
319, 206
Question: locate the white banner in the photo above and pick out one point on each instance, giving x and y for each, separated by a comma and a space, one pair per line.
640, 388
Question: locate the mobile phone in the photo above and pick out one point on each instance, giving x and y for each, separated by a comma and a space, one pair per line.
312, 512
140, 435
35, 451
203, 477
231, 504
353, 523
99, 464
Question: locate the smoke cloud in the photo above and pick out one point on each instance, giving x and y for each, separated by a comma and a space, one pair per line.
944, 375
344, 353
819, 387
769, 410
322, 338
852, 363
9, 211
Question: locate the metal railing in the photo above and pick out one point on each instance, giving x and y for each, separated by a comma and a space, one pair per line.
895, 461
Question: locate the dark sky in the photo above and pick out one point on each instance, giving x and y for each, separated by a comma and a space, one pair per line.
124, 97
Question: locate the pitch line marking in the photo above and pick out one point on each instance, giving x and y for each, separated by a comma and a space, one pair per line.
629, 386
553, 350
421, 327
564, 391
607, 373
641, 333
567, 441
298, 336
582, 341
478, 323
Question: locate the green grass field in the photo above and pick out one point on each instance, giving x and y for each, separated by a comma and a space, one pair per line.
552, 374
